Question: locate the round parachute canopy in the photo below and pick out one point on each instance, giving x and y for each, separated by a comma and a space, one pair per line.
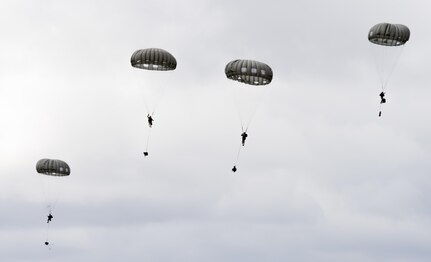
389, 34
52, 167
153, 59
249, 72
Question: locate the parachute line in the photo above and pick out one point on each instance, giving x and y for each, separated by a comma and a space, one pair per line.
146, 105
50, 194
237, 155
47, 232
151, 108
238, 110
254, 110
392, 69
148, 139
246, 115
385, 61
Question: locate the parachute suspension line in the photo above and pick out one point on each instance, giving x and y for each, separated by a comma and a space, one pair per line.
379, 58
245, 124
151, 108
392, 68
254, 110
157, 102
146, 106
382, 62
45, 194
50, 195
57, 198
236, 102
380, 67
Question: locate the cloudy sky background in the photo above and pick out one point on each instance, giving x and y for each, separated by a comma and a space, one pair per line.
322, 178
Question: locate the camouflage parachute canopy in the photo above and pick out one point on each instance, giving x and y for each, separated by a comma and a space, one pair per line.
389, 34
153, 59
52, 167
249, 72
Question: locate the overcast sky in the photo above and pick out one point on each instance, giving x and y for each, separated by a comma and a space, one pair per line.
321, 178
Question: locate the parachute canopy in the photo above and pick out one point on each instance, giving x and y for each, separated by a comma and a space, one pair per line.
389, 34
249, 72
52, 167
153, 59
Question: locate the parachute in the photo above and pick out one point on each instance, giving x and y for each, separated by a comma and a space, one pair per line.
51, 170
255, 75
153, 59
249, 72
387, 40
389, 34
52, 167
